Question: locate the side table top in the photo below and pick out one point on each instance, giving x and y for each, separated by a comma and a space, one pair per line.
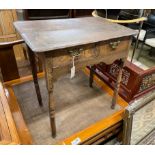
48, 35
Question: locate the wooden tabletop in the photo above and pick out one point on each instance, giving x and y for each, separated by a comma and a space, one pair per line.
48, 35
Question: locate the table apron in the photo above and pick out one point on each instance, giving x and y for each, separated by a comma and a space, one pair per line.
65, 69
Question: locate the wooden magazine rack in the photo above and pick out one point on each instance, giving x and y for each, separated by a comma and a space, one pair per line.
135, 81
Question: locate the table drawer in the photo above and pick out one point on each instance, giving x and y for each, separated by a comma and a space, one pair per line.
85, 53
115, 46
103, 49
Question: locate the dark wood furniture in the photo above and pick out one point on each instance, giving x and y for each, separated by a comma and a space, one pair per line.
38, 14
135, 81
90, 40
81, 13
8, 63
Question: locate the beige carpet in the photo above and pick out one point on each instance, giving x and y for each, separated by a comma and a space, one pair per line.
143, 122
149, 139
77, 107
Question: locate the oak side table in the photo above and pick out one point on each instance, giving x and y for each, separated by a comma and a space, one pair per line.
87, 40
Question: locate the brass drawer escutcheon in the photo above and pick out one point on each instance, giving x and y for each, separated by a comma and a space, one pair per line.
76, 52
114, 45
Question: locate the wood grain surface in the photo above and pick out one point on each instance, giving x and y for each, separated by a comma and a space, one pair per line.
47, 35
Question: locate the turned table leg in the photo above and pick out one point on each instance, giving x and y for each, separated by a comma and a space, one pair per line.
49, 82
91, 77
34, 74
117, 86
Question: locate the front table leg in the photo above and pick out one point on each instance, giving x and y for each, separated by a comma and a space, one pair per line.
49, 82
117, 86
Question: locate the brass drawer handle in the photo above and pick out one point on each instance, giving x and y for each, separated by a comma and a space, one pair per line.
114, 45
75, 52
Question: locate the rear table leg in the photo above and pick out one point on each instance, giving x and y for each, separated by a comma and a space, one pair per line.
34, 73
91, 77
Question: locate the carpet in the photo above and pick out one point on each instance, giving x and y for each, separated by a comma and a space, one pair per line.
143, 122
149, 139
77, 107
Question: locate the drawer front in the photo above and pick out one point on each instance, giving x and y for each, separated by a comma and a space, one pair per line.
88, 52
115, 46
